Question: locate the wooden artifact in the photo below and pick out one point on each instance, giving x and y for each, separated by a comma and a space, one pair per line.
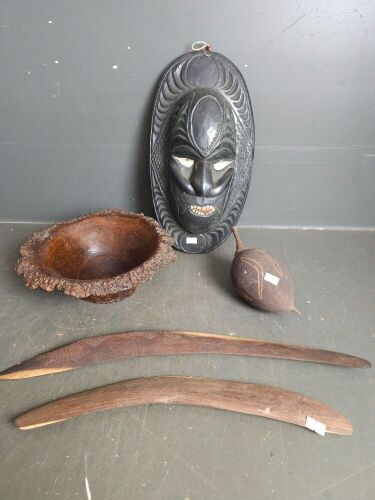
101, 257
161, 342
201, 148
260, 280
261, 400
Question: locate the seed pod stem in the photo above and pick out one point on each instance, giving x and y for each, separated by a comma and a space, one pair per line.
239, 244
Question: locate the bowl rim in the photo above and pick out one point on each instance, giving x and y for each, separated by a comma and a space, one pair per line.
37, 276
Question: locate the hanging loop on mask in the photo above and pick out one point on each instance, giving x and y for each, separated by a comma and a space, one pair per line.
202, 46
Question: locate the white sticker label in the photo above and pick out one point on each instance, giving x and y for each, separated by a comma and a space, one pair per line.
271, 278
191, 240
316, 426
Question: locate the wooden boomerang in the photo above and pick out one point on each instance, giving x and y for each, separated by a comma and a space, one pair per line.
160, 342
261, 400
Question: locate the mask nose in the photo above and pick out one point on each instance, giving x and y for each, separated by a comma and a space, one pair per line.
201, 178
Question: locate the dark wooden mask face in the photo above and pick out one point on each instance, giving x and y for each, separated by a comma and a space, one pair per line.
201, 150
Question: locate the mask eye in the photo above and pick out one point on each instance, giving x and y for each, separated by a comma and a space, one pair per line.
185, 162
221, 164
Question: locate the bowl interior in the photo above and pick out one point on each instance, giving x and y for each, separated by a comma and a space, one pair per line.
101, 246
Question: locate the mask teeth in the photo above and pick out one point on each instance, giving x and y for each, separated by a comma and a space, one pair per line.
202, 211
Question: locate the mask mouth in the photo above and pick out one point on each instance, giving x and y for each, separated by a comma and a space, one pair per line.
202, 210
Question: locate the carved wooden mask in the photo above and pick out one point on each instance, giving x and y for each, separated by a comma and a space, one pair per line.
202, 149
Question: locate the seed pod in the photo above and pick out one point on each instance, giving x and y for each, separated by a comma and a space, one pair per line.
260, 280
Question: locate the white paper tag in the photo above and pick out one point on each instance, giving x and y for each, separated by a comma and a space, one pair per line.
316, 426
271, 278
191, 240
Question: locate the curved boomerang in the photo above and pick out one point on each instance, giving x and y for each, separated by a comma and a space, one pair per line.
261, 400
163, 342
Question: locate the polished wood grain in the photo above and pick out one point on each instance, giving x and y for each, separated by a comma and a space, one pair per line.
163, 342
101, 257
261, 400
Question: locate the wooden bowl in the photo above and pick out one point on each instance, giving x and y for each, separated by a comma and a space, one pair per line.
100, 257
